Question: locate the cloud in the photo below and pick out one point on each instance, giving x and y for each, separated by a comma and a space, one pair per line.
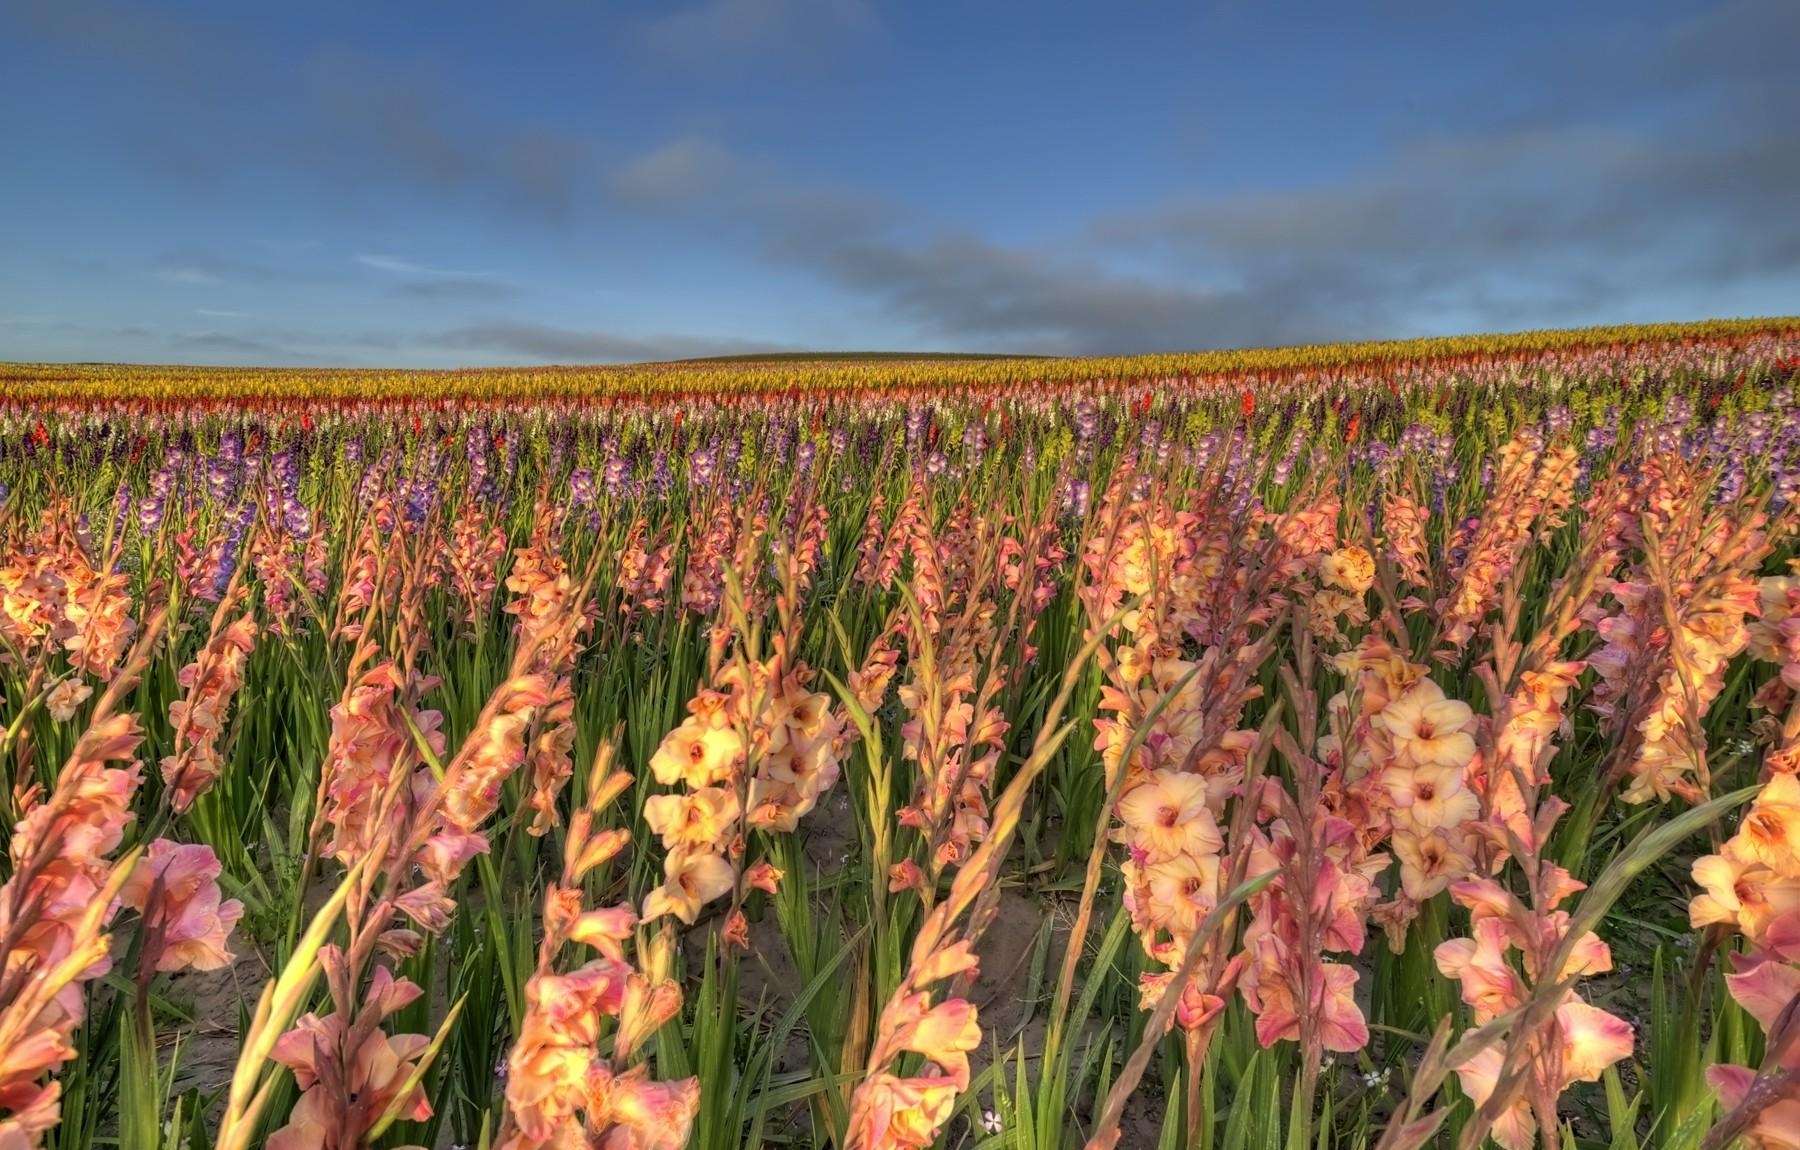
1524, 228
349, 120
398, 120
236, 348
199, 267
718, 29
434, 283
185, 274
679, 171
945, 285
408, 267
547, 344
177, 51
474, 290
1574, 213
981, 295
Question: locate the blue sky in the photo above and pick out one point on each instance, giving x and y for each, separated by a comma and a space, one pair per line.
449, 184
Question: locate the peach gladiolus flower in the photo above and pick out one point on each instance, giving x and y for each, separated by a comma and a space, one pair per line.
1592, 1040
696, 819
888, 1112
1166, 816
944, 1033
697, 754
1764, 987
1755, 879
1429, 863
764, 876
1349, 568
1770, 834
1428, 796
605, 929
378, 1070
691, 880
1178, 893
649, 1115
99, 609
895, 1113
547, 1079
1271, 994
65, 698
1777, 1127
1427, 729
1515, 1128
1490, 985
187, 923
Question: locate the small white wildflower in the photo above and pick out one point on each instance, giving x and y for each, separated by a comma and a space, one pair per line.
990, 1121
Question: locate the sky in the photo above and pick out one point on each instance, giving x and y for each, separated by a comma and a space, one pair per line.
452, 184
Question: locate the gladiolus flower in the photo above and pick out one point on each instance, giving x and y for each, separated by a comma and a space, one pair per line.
176, 888
691, 880
764, 876
1350, 568
1776, 1127
1427, 729
1592, 1040
701, 818
1166, 816
65, 698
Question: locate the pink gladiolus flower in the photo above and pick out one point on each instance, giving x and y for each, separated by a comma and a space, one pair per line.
176, 888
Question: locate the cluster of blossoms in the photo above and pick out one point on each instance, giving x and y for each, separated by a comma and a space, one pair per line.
757, 748
1316, 905
1752, 886
1775, 638
477, 544
1168, 820
1531, 486
1407, 774
289, 556
369, 577
955, 732
54, 594
212, 681
552, 613
645, 569
1403, 526
352, 1073
406, 837
1581, 1041
714, 537
902, 1104
1179, 718
891, 1111
1679, 616
56, 909
560, 1090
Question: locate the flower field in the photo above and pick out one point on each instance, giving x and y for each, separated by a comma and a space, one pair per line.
1372, 746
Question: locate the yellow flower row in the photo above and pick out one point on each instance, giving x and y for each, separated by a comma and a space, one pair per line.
765, 374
